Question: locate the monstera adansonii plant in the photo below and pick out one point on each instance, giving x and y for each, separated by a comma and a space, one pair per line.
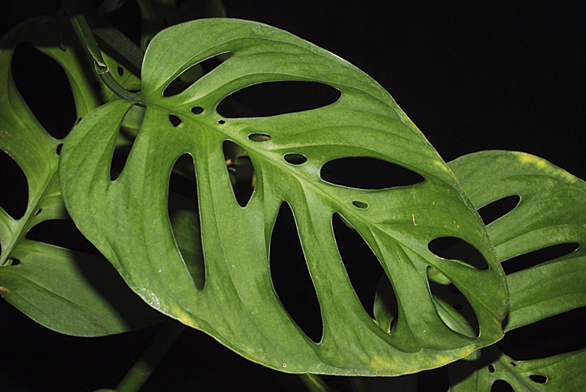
205, 261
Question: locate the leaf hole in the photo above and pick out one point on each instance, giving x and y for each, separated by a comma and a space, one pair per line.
241, 172
11, 262
453, 289
359, 204
538, 378
197, 110
221, 122
499, 208
117, 165
545, 338
280, 97
290, 275
501, 386
45, 88
491, 369
454, 309
259, 137
131, 124
367, 173
537, 257
61, 233
37, 212
295, 159
362, 265
14, 188
385, 307
175, 120
58, 149
453, 248
120, 70
193, 74
184, 217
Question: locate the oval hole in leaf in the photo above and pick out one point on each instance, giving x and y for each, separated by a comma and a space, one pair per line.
564, 332
295, 159
259, 137
13, 188
454, 309
290, 275
501, 386
194, 73
241, 172
184, 217
197, 110
499, 208
175, 120
10, 262
362, 265
274, 98
63, 233
367, 173
45, 88
453, 248
537, 257
538, 378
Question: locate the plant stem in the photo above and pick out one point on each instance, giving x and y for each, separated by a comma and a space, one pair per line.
151, 357
86, 37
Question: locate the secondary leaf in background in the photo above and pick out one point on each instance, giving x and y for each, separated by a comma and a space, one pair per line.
127, 219
70, 291
551, 211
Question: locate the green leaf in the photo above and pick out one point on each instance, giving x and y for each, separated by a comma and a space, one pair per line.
68, 291
551, 211
128, 219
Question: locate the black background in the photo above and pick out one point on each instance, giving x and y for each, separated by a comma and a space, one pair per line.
472, 75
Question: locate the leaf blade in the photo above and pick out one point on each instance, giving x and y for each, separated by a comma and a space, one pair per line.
238, 305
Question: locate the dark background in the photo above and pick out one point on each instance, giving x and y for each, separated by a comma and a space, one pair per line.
472, 75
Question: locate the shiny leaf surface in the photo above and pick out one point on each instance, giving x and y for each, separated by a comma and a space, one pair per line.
127, 218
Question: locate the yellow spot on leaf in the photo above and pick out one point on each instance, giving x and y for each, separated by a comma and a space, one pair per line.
378, 363
4, 289
528, 159
188, 320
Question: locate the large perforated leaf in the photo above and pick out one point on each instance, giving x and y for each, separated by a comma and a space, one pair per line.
551, 213
127, 218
